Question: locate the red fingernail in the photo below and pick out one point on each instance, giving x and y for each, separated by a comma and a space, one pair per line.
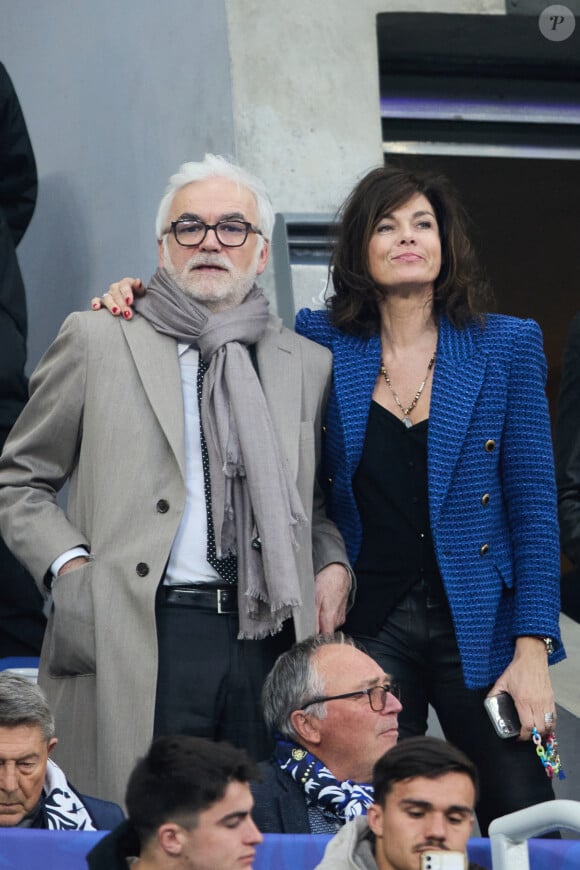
96, 306
127, 300
127, 315
114, 310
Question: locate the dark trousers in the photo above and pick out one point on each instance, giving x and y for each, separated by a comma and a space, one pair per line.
417, 647
209, 682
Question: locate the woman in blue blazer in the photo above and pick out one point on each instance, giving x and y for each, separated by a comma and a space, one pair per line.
439, 474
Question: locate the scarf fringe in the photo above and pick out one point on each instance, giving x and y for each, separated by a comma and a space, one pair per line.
273, 606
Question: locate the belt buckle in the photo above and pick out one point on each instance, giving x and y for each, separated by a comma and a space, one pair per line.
219, 593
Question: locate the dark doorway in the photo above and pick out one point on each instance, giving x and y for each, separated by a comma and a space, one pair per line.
495, 106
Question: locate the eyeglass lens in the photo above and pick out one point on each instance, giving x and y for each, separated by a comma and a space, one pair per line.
232, 234
378, 696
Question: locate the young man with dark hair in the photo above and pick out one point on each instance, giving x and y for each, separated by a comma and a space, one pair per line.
425, 792
189, 808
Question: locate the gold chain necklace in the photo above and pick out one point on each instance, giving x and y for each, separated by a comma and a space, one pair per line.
406, 411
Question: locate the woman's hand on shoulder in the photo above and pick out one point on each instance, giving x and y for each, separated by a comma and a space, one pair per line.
119, 298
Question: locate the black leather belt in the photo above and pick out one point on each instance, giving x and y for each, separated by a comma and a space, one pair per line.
215, 600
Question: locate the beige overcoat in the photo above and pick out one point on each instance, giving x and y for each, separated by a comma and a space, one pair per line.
106, 414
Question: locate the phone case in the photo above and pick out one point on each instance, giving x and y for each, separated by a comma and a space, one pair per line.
503, 714
443, 861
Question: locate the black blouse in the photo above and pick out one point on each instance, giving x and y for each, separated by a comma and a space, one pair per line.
390, 487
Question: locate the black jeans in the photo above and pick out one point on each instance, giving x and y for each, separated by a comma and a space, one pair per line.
417, 647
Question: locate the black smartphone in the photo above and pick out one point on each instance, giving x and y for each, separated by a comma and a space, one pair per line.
503, 714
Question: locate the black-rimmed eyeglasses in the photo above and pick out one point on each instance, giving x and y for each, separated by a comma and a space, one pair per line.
231, 234
377, 696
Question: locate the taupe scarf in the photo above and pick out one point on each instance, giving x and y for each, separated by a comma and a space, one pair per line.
253, 493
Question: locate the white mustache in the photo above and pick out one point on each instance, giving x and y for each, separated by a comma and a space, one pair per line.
209, 260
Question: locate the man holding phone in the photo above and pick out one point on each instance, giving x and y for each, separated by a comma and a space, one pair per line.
425, 792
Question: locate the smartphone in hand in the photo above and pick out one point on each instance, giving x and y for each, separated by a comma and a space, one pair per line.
503, 714
443, 861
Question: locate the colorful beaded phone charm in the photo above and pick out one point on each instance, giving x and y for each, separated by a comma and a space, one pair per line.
548, 754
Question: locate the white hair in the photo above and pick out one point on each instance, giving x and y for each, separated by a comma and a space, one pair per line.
215, 166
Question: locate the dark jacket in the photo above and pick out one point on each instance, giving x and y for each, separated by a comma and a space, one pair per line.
105, 814
18, 187
279, 802
21, 619
567, 445
112, 851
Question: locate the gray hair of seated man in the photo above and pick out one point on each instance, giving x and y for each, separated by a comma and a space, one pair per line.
24, 703
294, 680
216, 166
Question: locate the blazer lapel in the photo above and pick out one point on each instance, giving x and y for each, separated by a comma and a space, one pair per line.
292, 804
280, 374
457, 380
356, 365
155, 357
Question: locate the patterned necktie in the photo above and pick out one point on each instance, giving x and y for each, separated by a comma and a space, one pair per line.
227, 568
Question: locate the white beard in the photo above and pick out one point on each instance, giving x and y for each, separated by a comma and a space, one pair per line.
224, 288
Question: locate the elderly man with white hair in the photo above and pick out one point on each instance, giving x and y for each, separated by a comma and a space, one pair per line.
185, 561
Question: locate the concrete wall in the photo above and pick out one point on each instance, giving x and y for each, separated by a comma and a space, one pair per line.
306, 91
305, 95
306, 102
116, 95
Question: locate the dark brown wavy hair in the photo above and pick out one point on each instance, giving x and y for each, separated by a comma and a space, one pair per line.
461, 292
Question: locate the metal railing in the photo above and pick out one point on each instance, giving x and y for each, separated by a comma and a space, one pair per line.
509, 834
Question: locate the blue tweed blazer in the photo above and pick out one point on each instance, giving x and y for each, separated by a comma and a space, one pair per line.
489, 433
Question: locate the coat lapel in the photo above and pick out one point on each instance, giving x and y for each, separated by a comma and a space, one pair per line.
155, 358
292, 804
457, 380
356, 365
280, 372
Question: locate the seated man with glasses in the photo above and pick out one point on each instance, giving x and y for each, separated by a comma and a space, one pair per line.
333, 713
